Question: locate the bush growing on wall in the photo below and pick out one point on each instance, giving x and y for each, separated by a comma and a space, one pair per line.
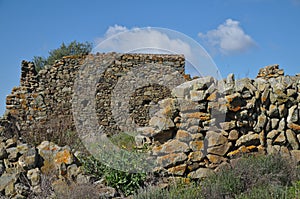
74, 48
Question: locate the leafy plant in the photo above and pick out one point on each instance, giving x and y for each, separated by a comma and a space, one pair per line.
124, 141
74, 48
123, 181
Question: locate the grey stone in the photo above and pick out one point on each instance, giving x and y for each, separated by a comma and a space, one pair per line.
29, 159
261, 122
161, 123
198, 96
201, 173
282, 124
273, 111
3, 152
228, 125
233, 135
13, 154
34, 175
215, 143
280, 139
171, 159
272, 134
173, 146
274, 123
6, 180
292, 139
293, 114
248, 140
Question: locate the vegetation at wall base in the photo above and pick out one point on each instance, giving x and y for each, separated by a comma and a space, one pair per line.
126, 183
251, 177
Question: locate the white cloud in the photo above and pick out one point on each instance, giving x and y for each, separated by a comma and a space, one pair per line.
158, 41
146, 40
228, 38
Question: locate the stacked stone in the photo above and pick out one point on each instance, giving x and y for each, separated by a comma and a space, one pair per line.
136, 75
216, 121
27, 171
270, 71
28, 75
43, 101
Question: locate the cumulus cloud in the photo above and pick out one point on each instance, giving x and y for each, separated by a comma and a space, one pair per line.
158, 41
143, 40
228, 38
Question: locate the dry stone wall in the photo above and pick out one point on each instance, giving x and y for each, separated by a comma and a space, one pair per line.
198, 127
45, 171
207, 123
43, 101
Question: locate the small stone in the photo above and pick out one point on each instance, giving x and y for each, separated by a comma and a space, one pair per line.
228, 125
73, 171
29, 159
241, 150
173, 146
178, 170
196, 156
201, 173
282, 111
11, 143
273, 111
261, 122
233, 135
34, 175
280, 139
292, 139
294, 127
196, 145
12, 154
3, 152
161, 123
248, 140
198, 96
274, 123
215, 159
272, 134
6, 180
293, 114
183, 136
171, 159
281, 126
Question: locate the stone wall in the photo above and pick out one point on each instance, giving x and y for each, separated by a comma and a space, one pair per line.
198, 127
207, 123
45, 171
43, 101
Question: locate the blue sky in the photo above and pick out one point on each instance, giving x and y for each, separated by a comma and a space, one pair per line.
240, 35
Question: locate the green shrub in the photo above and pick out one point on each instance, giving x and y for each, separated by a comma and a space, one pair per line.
123, 181
124, 141
74, 48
